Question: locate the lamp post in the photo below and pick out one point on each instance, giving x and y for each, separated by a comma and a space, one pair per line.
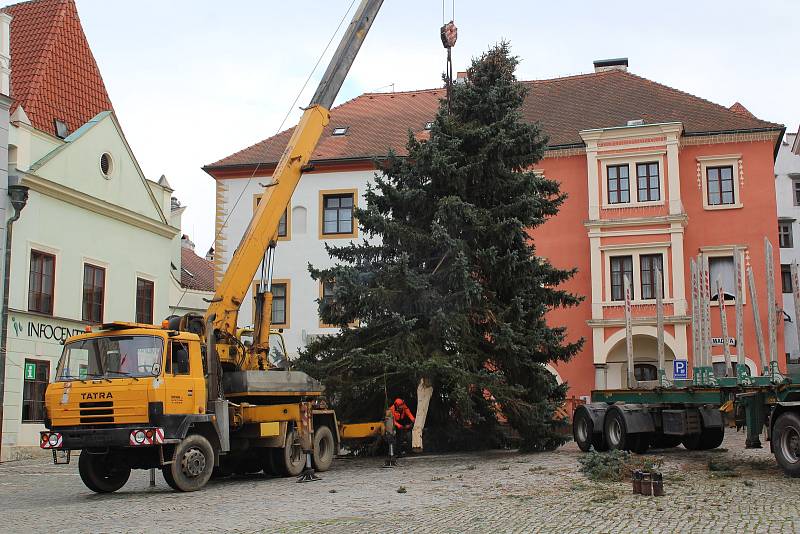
19, 197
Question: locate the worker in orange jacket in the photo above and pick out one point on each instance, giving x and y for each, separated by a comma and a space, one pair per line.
403, 422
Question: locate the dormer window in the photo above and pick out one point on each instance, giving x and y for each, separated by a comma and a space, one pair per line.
429, 125
61, 128
340, 130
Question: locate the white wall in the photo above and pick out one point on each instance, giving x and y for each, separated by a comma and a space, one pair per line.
785, 164
293, 255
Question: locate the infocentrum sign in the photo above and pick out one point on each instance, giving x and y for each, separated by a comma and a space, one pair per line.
42, 330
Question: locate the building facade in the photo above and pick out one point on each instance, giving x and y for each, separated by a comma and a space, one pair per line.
94, 242
654, 177
787, 194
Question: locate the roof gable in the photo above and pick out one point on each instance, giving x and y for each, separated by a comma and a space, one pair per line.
378, 122
53, 72
76, 164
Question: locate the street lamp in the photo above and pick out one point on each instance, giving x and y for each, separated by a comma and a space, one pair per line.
19, 198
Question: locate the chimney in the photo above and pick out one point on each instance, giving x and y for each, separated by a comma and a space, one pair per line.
5, 54
620, 63
461, 77
186, 242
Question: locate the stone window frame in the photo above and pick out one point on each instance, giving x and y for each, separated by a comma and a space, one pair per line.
726, 160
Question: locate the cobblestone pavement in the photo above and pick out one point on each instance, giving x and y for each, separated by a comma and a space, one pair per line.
482, 492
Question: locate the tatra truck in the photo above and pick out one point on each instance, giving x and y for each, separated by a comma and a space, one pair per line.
197, 395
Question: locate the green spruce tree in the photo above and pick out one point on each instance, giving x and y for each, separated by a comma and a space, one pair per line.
448, 292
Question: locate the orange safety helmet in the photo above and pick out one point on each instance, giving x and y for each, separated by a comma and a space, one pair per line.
398, 402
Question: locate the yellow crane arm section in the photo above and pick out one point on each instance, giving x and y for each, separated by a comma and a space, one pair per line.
263, 226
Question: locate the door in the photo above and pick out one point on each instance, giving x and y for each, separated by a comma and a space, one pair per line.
179, 381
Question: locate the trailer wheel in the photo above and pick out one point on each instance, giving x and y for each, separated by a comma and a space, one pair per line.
290, 460
192, 466
707, 439
661, 441
583, 431
100, 475
324, 449
615, 431
786, 444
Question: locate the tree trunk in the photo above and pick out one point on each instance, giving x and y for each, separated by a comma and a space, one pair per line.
424, 393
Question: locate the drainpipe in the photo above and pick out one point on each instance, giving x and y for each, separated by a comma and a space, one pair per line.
19, 197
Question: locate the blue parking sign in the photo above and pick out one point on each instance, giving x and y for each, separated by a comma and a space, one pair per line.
680, 369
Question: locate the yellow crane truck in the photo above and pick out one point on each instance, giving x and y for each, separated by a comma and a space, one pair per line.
194, 395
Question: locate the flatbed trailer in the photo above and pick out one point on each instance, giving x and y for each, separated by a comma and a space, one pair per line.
696, 417
695, 412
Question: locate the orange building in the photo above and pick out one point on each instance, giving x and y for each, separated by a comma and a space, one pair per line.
655, 176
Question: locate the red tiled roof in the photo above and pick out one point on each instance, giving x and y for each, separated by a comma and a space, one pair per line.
53, 72
564, 106
741, 110
196, 272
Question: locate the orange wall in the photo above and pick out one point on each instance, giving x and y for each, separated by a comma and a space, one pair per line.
564, 241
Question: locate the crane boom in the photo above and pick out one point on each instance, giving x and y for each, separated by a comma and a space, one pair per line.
262, 231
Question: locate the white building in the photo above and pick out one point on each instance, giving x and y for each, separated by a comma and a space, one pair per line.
96, 238
787, 191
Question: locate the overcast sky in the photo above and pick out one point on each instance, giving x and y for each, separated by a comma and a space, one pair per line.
195, 80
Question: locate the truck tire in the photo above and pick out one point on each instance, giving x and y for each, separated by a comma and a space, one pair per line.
707, 439
786, 443
661, 441
290, 460
615, 432
268, 461
99, 475
582, 430
192, 465
324, 449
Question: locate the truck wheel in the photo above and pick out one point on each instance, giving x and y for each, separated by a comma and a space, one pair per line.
268, 463
100, 475
707, 439
324, 449
786, 443
192, 465
582, 430
290, 460
639, 443
661, 441
614, 430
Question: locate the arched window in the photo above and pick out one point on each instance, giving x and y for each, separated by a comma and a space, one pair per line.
299, 220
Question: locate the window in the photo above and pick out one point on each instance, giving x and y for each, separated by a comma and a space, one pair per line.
621, 266
283, 228
106, 165
722, 267
41, 282
796, 190
179, 359
618, 184
720, 185
647, 181
279, 307
786, 278
94, 288
144, 301
337, 214
785, 234
645, 371
340, 130
648, 263
37, 376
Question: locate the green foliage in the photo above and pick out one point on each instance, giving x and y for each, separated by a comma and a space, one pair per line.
616, 465
449, 287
